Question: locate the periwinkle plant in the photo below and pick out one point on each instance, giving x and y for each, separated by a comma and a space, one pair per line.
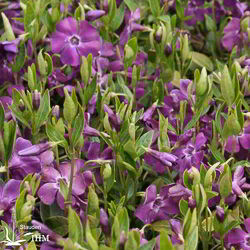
124, 124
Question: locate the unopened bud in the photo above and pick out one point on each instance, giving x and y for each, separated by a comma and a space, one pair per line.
158, 35
220, 214
36, 98
21, 105
107, 171
106, 6
56, 112
202, 84
94, 14
168, 50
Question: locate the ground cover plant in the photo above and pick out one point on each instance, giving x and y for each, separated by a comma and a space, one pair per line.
124, 124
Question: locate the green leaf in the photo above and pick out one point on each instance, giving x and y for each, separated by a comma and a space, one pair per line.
202, 60
155, 7
19, 204
89, 91
145, 141
132, 5
227, 88
9, 138
123, 219
55, 135
7, 27
41, 63
58, 224
226, 182
75, 227
165, 242
161, 225
216, 153
195, 119
19, 115
112, 10
29, 16
20, 59
191, 241
64, 189
183, 205
48, 59
209, 177
77, 126
118, 19
43, 111
90, 239
31, 246
1, 117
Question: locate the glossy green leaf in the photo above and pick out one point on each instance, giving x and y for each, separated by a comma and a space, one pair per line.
202, 60
43, 111
75, 226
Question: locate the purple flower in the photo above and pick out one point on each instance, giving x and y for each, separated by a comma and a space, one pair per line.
157, 207
153, 207
220, 214
234, 142
239, 238
73, 40
232, 35
92, 15
8, 194
166, 159
50, 191
239, 182
191, 154
20, 166
177, 236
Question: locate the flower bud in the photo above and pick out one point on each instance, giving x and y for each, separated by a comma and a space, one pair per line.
56, 112
158, 35
94, 14
184, 48
220, 215
168, 50
36, 98
104, 221
202, 84
107, 171
106, 6
69, 108
21, 105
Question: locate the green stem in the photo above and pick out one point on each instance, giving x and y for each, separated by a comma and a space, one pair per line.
73, 163
7, 169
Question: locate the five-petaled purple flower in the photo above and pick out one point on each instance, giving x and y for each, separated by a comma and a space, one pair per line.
50, 191
73, 40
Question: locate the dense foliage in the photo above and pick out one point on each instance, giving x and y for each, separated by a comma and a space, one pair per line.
124, 124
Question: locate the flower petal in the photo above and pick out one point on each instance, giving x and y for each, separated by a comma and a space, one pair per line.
236, 236
58, 41
70, 56
87, 32
11, 189
47, 193
79, 185
86, 48
245, 141
68, 26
